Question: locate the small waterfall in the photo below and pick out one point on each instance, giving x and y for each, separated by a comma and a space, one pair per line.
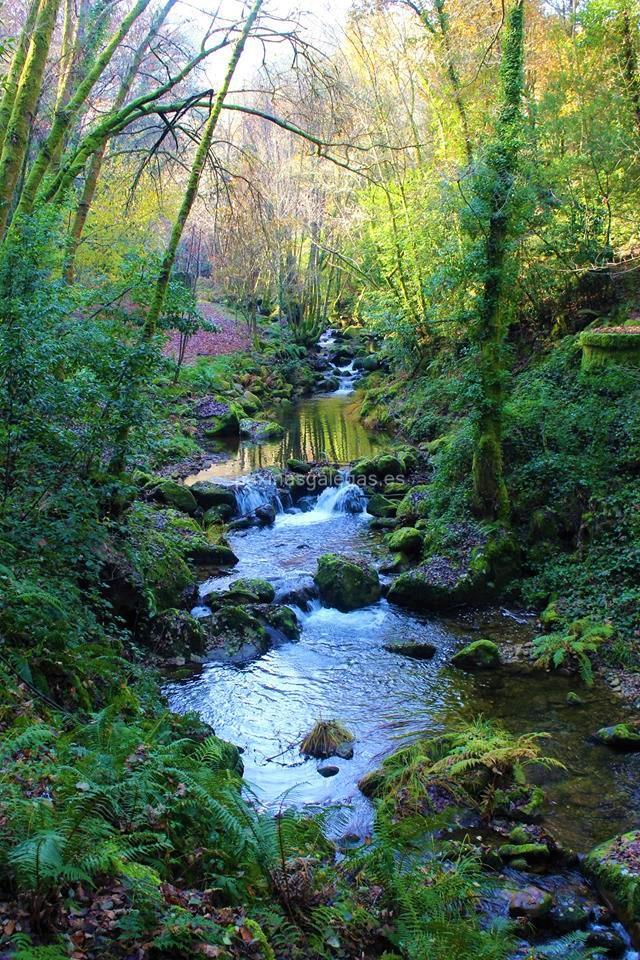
347, 498
258, 490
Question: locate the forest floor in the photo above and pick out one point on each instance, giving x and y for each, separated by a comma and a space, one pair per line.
229, 336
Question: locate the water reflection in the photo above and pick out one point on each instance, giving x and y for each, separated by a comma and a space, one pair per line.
319, 428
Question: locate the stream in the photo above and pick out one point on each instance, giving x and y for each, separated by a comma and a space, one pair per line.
340, 669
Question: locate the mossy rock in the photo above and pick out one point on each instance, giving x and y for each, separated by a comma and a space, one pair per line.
251, 590
406, 540
261, 430
419, 591
224, 425
208, 494
551, 618
345, 583
175, 633
379, 506
235, 635
531, 852
215, 516
212, 550
283, 619
396, 489
299, 466
573, 700
365, 471
390, 466
620, 736
603, 346
250, 402
479, 655
173, 494
521, 802
615, 867
415, 504
530, 903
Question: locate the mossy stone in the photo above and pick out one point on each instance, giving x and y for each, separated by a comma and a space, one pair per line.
620, 736
175, 633
479, 655
415, 650
615, 866
173, 494
417, 591
345, 583
255, 590
406, 540
415, 504
209, 494
379, 506
215, 516
284, 620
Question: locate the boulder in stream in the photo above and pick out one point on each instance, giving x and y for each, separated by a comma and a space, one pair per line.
531, 902
615, 867
620, 736
479, 655
346, 583
406, 540
209, 494
417, 650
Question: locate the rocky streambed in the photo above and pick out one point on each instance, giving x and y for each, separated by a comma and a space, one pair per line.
387, 671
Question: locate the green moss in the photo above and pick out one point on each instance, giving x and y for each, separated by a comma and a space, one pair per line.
284, 620
208, 494
256, 590
346, 584
407, 540
479, 655
615, 866
415, 505
172, 494
379, 506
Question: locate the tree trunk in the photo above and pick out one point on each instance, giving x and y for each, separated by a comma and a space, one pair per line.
630, 65
65, 116
490, 493
12, 78
194, 177
26, 98
95, 164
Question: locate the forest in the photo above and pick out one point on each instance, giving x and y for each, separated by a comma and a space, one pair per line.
319, 471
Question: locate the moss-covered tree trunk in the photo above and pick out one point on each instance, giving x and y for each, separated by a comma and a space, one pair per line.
65, 116
495, 190
629, 56
196, 173
24, 106
95, 164
14, 73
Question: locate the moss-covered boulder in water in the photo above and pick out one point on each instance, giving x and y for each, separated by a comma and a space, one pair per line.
620, 736
283, 620
259, 430
420, 590
247, 589
172, 494
215, 516
345, 583
379, 506
615, 867
406, 540
415, 504
175, 633
479, 655
208, 495
234, 635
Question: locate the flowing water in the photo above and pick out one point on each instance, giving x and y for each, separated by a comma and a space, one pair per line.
341, 669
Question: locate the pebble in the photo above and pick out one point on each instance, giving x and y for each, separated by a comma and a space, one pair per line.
328, 770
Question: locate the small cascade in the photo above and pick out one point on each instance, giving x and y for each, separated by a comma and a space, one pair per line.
346, 498
258, 490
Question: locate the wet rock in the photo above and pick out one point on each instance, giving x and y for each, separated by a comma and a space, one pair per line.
531, 902
265, 515
415, 505
215, 516
298, 594
172, 494
213, 554
479, 655
328, 770
615, 867
529, 852
299, 466
249, 590
608, 939
621, 736
379, 506
437, 586
569, 912
344, 751
174, 633
284, 621
406, 540
261, 430
235, 635
208, 494
371, 784
345, 583
415, 650
573, 700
